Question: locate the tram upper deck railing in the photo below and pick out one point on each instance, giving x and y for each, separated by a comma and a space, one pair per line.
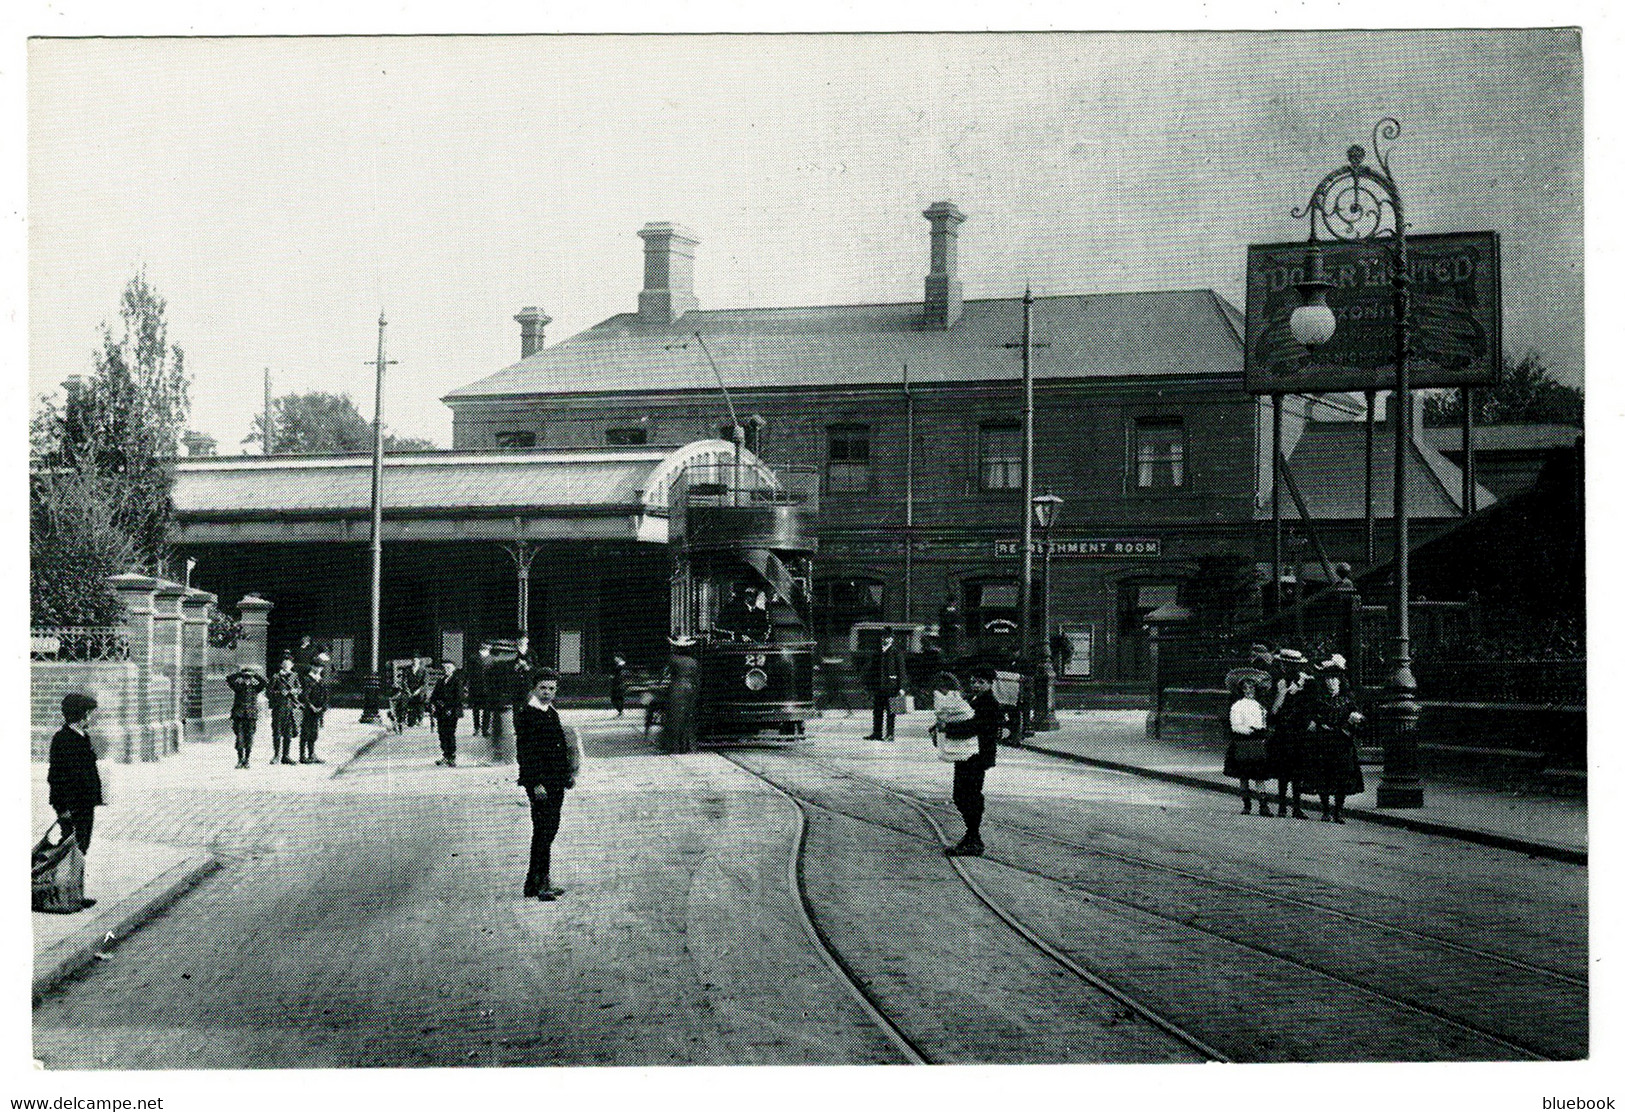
749, 483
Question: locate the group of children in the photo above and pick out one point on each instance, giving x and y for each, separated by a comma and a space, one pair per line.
1296, 724
298, 695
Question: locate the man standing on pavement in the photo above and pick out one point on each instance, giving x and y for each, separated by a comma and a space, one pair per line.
887, 677
246, 684
549, 758
446, 705
284, 694
313, 702
970, 772
76, 785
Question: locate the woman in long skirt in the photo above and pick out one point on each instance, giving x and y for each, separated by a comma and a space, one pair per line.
1331, 760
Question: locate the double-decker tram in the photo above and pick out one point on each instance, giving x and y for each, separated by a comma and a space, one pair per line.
742, 536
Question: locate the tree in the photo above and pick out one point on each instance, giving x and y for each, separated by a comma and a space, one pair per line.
103, 465
1218, 596
1526, 394
318, 423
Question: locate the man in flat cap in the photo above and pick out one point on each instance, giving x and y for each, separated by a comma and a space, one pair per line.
76, 785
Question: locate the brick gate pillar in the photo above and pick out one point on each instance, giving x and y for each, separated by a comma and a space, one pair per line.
253, 647
168, 653
196, 605
136, 734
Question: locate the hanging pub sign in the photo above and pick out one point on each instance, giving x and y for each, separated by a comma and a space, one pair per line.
1454, 321
1107, 546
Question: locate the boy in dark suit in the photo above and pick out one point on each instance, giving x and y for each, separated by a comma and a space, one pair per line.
76, 785
970, 772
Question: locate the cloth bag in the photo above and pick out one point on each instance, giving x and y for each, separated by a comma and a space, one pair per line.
572, 752
955, 732
901, 704
58, 874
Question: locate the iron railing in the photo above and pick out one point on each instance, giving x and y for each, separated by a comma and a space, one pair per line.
79, 643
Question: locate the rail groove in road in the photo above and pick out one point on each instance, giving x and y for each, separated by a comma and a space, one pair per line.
822, 945
1004, 914
1237, 886
925, 807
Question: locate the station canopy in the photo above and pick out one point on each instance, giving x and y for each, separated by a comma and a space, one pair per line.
601, 494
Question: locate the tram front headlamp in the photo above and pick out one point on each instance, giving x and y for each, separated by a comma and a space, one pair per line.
756, 679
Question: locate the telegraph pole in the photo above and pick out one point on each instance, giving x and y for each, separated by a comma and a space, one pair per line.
265, 444
369, 684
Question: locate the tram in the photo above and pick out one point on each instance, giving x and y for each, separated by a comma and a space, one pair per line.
742, 536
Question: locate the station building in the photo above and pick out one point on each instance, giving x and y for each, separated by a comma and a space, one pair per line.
546, 511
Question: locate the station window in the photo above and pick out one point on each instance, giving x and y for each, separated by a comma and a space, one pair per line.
1159, 453
634, 435
516, 439
1000, 456
847, 469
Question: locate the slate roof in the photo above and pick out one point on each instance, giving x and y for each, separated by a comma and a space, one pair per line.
416, 482
1328, 463
1090, 335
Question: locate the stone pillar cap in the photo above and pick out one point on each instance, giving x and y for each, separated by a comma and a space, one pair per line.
254, 602
169, 588
198, 594
667, 228
131, 581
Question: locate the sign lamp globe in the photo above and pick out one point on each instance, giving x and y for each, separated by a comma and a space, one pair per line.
1313, 322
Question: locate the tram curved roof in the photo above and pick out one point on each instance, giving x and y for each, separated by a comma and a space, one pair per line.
1084, 336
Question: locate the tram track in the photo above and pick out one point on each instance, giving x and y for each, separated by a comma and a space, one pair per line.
1238, 887
925, 809
851, 979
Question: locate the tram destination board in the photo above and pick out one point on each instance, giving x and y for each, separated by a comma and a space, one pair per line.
1088, 547
1455, 315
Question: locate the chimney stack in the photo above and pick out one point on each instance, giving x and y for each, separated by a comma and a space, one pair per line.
944, 296
532, 322
668, 272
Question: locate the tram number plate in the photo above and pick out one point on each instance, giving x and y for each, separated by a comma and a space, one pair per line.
755, 660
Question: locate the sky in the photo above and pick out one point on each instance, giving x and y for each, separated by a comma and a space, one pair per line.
281, 192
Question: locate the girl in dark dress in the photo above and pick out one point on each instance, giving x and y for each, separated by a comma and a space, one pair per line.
1331, 764
1247, 758
1289, 719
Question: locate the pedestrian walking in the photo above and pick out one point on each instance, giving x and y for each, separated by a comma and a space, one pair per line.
970, 773
1331, 760
887, 679
949, 625
75, 783
415, 685
1247, 756
284, 694
1288, 715
549, 759
476, 684
680, 726
313, 708
305, 655
617, 683
446, 704
246, 684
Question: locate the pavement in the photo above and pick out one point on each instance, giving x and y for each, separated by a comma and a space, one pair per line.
134, 880
1540, 823
131, 881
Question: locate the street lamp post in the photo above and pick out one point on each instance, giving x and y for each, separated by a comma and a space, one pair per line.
1046, 507
1360, 203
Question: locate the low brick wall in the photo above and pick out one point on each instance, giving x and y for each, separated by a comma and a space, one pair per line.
132, 720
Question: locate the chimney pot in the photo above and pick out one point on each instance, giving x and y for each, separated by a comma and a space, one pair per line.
532, 323
668, 272
944, 296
